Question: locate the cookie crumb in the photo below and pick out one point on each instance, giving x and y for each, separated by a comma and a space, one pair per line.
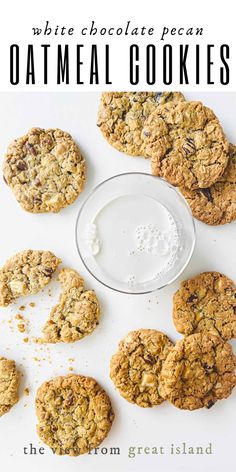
21, 327
26, 391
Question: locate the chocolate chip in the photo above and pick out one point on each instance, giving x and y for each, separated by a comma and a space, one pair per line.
47, 271
146, 133
37, 200
158, 96
150, 359
21, 165
207, 193
209, 368
210, 404
189, 146
31, 149
192, 298
191, 142
70, 399
47, 141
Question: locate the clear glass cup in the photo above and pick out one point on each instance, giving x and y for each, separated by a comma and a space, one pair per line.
135, 233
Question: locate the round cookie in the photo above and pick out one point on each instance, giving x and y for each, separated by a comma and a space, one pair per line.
45, 170
26, 273
121, 116
186, 144
74, 414
77, 313
198, 371
206, 302
9, 383
216, 205
135, 368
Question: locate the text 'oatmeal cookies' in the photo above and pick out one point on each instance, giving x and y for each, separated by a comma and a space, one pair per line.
45, 170
135, 368
74, 414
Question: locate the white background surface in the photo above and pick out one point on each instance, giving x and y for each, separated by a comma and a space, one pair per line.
133, 426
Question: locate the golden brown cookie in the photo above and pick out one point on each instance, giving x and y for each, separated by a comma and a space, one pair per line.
135, 368
74, 414
26, 273
206, 302
77, 313
216, 205
45, 170
9, 383
121, 116
186, 143
198, 371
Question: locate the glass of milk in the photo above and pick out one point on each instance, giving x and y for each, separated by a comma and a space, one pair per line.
135, 233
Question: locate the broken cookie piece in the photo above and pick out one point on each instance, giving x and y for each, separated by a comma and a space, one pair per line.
77, 313
9, 383
26, 273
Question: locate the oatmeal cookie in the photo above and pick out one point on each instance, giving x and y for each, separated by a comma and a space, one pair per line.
206, 302
9, 383
135, 368
186, 144
216, 205
45, 170
121, 116
77, 313
74, 414
198, 371
26, 273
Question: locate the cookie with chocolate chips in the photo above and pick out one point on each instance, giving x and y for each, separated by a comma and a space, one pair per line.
186, 144
198, 371
45, 170
216, 205
121, 116
204, 303
136, 366
74, 414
